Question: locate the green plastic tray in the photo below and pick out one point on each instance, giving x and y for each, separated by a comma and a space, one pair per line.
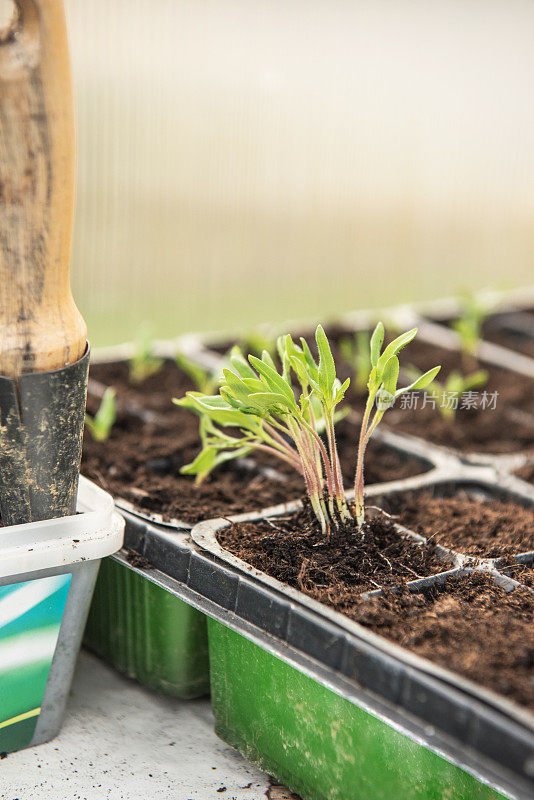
146, 632
323, 746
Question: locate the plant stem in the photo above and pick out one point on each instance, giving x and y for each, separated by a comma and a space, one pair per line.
294, 462
317, 453
328, 469
314, 479
338, 477
277, 442
358, 481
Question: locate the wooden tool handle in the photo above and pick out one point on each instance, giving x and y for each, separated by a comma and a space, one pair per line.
40, 327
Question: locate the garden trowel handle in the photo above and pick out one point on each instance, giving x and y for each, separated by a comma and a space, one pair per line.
40, 327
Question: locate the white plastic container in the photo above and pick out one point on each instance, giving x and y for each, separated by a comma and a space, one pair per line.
47, 574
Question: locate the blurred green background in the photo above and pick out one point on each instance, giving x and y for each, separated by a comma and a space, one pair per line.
247, 161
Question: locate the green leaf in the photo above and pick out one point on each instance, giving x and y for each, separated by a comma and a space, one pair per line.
269, 400
372, 383
339, 392
327, 367
254, 384
267, 359
218, 409
300, 368
286, 368
390, 375
209, 458
393, 348
202, 464
236, 386
475, 380
421, 382
143, 362
313, 369
275, 381
240, 364
101, 424
200, 376
377, 339
290, 347
456, 383
228, 455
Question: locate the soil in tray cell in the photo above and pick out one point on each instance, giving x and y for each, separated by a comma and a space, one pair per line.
469, 625
154, 393
475, 527
501, 421
334, 571
511, 339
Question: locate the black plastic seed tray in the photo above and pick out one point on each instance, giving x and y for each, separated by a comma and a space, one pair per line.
472, 727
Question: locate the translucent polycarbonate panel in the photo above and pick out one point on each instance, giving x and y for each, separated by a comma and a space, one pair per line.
247, 161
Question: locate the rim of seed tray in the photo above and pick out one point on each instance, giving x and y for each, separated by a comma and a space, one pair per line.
204, 535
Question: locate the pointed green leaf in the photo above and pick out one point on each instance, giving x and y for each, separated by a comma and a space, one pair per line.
101, 424
377, 339
421, 382
372, 383
238, 388
229, 455
274, 380
300, 371
313, 369
390, 375
339, 392
267, 359
475, 380
267, 400
240, 364
327, 367
202, 464
254, 385
198, 374
393, 348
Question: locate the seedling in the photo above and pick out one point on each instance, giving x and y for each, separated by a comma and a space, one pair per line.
205, 380
217, 447
101, 424
451, 390
355, 351
474, 311
382, 391
143, 362
260, 404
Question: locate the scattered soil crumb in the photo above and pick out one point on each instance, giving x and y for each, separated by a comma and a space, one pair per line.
137, 560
